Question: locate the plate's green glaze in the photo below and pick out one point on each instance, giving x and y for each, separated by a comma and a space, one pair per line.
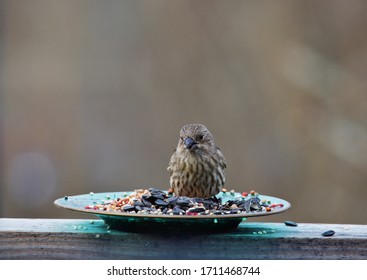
152, 223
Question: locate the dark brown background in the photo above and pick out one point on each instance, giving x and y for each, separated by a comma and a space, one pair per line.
94, 93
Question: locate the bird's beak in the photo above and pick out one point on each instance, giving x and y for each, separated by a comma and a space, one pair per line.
190, 144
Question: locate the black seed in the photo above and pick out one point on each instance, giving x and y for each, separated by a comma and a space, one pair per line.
241, 206
156, 196
165, 210
248, 205
172, 200
157, 193
328, 233
290, 224
255, 200
235, 211
196, 210
138, 208
66, 197
138, 203
148, 209
183, 201
197, 199
128, 208
209, 203
155, 190
218, 212
252, 203
161, 202
239, 201
177, 210
146, 202
147, 197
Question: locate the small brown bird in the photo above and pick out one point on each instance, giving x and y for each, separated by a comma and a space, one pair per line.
197, 165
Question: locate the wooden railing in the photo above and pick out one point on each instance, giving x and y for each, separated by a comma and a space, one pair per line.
91, 239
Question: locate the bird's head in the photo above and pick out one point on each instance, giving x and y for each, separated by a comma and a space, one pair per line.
195, 137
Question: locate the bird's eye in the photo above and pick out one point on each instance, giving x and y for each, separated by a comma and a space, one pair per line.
201, 137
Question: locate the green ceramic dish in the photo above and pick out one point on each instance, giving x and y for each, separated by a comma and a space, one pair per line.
136, 222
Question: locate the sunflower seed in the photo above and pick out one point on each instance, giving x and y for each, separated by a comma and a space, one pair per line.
328, 233
161, 202
290, 224
128, 208
196, 210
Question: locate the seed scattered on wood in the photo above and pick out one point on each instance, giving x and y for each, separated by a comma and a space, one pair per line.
328, 233
290, 224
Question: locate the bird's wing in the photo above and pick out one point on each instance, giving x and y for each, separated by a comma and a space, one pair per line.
222, 160
169, 168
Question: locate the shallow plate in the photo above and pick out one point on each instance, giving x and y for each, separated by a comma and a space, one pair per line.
151, 223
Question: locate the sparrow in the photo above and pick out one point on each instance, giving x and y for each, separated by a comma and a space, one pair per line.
197, 165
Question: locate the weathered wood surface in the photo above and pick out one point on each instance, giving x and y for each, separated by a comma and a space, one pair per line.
90, 239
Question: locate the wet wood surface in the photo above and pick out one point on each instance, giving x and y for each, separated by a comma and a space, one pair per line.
91, 239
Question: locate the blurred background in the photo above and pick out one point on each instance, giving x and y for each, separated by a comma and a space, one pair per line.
93, 95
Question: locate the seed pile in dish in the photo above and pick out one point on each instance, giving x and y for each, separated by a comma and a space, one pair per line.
157, 202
